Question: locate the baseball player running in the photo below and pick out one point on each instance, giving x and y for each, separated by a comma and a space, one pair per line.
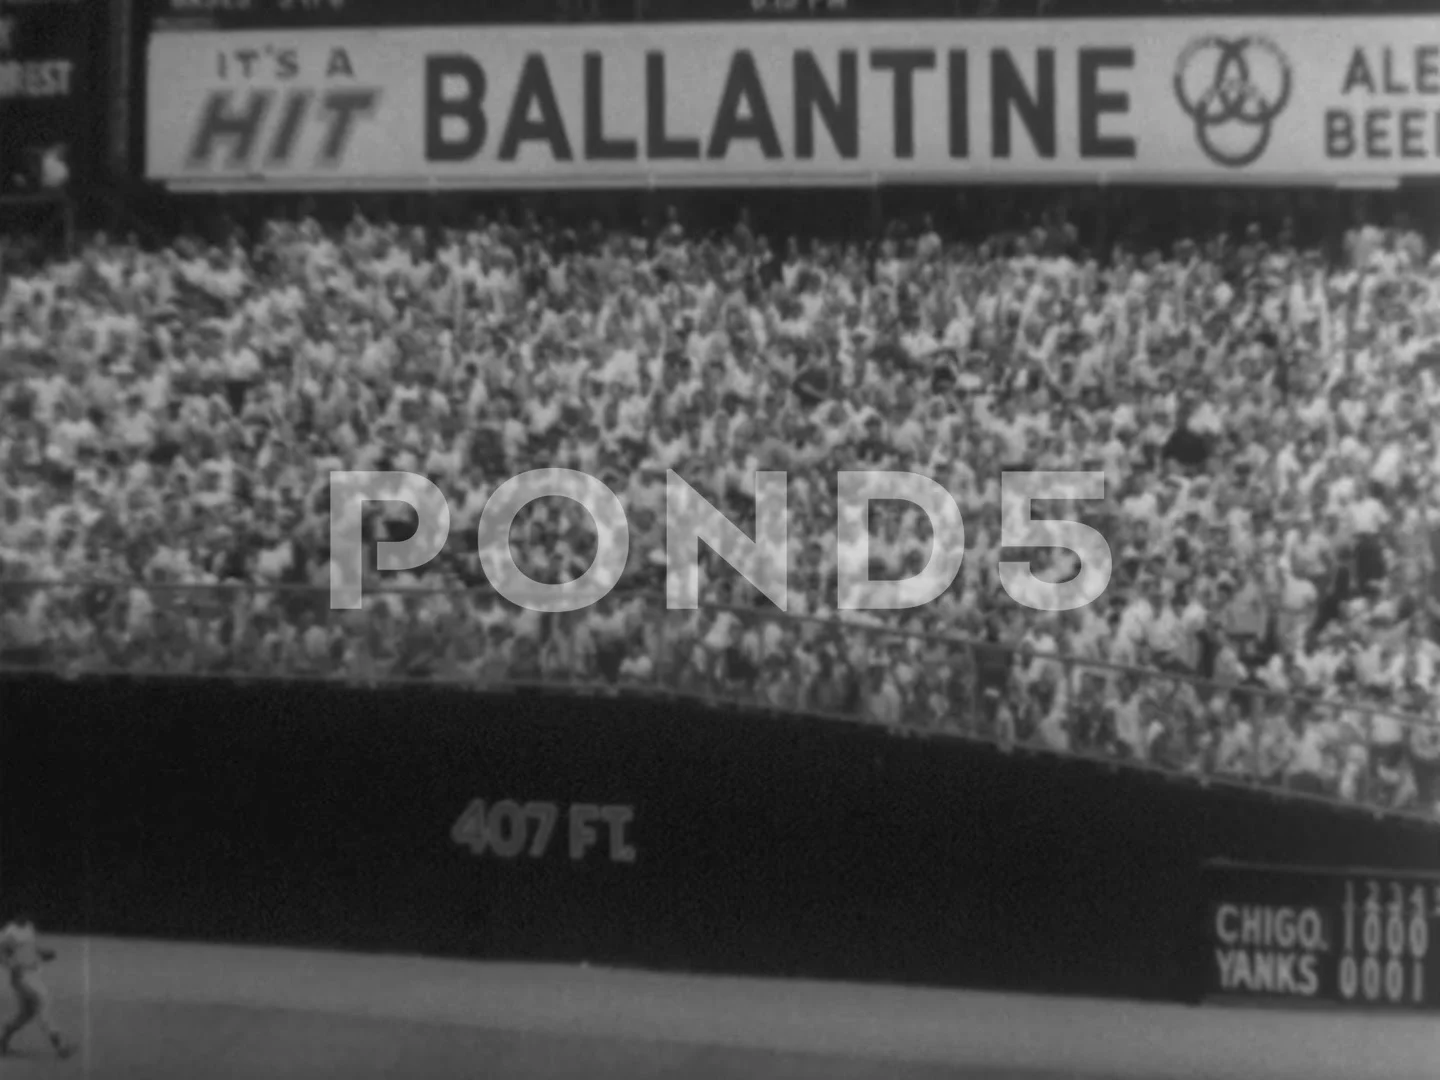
21, 956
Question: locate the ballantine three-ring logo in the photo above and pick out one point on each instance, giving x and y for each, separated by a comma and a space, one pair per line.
1233, 89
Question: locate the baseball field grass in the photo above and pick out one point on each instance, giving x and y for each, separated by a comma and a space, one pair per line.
173, 1011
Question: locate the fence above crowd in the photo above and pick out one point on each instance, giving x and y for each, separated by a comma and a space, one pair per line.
926, 684
290, 13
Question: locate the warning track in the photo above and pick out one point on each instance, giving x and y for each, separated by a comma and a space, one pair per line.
157, 1011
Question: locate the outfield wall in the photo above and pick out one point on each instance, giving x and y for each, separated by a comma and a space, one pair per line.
628, 831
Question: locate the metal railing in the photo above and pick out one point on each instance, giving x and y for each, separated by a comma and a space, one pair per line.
863, 671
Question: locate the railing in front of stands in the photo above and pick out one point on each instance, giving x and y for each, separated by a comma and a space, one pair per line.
857, 670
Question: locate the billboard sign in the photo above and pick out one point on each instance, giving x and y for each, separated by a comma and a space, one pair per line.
46, 67
1186, 100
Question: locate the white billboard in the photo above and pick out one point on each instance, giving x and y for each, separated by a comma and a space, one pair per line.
1189, 100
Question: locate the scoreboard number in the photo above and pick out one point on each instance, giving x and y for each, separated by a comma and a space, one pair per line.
1393, 960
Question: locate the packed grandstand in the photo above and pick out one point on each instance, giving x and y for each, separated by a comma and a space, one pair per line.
1263, 414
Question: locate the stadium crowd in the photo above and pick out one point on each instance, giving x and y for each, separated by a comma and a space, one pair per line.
1263, 416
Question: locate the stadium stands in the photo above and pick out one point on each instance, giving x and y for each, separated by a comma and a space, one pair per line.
1263, 415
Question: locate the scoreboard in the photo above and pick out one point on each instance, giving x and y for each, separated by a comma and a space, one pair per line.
1356, 938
